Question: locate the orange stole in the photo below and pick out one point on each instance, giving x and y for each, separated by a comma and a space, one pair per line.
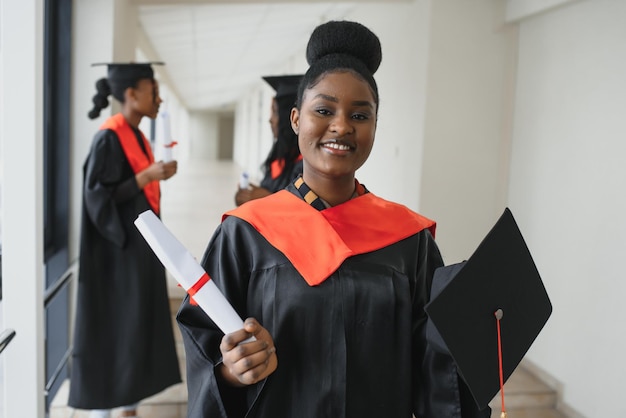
317, 242
137, 159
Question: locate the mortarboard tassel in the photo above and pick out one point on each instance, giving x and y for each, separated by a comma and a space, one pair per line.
499, 315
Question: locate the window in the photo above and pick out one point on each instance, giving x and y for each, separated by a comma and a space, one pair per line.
57, 66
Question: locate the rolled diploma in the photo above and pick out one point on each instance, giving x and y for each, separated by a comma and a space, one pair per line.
167, 153
186, 270
167, 137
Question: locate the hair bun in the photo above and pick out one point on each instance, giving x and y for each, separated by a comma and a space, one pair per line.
344, 37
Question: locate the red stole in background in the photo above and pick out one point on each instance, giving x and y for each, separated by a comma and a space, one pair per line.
137, 159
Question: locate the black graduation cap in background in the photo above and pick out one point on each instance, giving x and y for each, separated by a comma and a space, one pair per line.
500, 275
285, 85
129, 71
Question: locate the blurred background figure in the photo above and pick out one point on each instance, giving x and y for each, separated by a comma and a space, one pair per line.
284, 161
124, 348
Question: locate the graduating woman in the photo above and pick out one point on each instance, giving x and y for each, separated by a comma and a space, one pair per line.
332, 280
284, 161
124, 348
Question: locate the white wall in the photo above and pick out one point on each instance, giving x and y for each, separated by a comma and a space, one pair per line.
470, 81
21, 134
204, 130
568, 178
520, 9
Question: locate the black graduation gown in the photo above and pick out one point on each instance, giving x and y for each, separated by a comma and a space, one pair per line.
124, 349
354, 346
280, 182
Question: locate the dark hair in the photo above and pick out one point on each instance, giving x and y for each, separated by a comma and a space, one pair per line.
286, 145
101, 98
106, 87
341, 46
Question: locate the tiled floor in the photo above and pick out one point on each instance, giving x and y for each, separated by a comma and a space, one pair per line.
192, 204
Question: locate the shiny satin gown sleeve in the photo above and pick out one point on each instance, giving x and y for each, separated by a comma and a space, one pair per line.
207, 397
439, 390
108, 181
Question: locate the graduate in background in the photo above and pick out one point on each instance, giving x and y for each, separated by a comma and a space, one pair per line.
284, 161
124, 348
332, 280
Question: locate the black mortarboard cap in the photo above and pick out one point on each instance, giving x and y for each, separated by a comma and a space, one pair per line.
129, 71
501, 274
285, 85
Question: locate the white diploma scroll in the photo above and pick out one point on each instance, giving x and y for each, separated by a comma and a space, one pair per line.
244, 181
168, 143
167, 151
187, 272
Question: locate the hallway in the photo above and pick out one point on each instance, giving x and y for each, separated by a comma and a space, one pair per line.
192, 204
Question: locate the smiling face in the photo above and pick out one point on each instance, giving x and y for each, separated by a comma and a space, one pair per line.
336, 124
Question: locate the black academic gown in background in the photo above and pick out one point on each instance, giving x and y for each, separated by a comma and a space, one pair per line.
353, 346
124, 349
280, 182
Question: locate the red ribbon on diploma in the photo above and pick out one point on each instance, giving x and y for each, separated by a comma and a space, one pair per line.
197, 286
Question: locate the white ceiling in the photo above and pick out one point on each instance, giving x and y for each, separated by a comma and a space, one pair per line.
216, 51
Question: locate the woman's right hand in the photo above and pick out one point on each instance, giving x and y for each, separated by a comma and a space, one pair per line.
246, 363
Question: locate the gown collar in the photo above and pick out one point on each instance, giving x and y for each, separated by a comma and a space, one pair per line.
317, 202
